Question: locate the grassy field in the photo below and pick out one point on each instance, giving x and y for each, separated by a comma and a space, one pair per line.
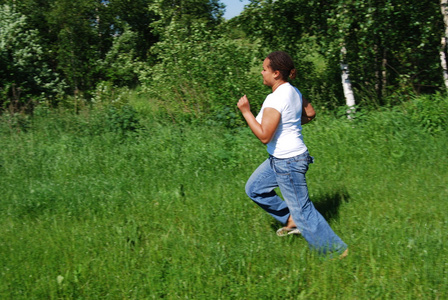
88, 212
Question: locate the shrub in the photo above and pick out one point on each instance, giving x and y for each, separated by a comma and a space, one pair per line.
429, 111
123, 120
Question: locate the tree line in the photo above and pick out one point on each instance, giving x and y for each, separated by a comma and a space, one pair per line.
187, 56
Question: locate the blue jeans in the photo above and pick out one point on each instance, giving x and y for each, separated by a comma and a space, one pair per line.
289, 175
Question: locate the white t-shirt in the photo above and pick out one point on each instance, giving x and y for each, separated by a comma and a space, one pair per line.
287, 140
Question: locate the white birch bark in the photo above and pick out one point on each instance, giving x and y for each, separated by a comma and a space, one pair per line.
443, 43
347, 86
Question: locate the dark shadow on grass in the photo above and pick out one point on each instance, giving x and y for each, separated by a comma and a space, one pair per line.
327, 204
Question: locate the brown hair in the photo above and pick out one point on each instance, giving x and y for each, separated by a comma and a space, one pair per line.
281, 61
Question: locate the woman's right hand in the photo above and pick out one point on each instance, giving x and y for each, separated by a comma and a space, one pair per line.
271, 118
243, 104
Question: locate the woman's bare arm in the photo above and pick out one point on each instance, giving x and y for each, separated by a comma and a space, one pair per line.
271, 118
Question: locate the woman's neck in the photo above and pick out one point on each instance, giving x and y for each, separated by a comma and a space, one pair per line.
277, 84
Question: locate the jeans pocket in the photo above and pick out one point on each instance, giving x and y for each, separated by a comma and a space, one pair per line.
281, 166
301, 164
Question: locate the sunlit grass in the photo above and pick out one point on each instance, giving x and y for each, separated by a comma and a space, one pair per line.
163, 214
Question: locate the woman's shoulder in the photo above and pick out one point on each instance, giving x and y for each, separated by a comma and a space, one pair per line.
288, 91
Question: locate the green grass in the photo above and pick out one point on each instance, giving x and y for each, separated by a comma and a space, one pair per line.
87, 212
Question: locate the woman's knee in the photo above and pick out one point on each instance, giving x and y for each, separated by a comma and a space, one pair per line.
249, 189
252, 189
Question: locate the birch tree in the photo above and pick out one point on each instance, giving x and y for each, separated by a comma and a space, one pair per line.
347, 85
443, 44
391, 46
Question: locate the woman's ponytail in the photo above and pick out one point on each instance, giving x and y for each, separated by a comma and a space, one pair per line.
281, 61
293, 74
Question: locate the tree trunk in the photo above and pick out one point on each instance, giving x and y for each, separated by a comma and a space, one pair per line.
384, 73
380, 73
347, 86
443, 44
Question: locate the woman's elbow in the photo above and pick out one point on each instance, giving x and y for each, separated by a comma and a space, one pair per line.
265, 140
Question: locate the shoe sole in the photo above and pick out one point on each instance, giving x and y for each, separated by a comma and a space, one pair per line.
285, 231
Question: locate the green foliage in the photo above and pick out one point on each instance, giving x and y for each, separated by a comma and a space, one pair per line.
121, 64
391, 45
186, 12
301, 32
84, 41
201, 74
195, 63
77, 48
405, 56
25, 77
136, 17
123, 120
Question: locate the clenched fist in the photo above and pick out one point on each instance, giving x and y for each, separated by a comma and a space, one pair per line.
243, 104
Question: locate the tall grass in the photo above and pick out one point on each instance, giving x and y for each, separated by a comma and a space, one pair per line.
91, 212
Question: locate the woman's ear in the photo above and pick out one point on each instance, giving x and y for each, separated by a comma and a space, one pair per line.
277, 75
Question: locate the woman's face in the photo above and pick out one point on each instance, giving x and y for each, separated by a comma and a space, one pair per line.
268, 75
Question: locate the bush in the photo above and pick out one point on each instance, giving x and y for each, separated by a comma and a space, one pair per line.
429, 111
123, 120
